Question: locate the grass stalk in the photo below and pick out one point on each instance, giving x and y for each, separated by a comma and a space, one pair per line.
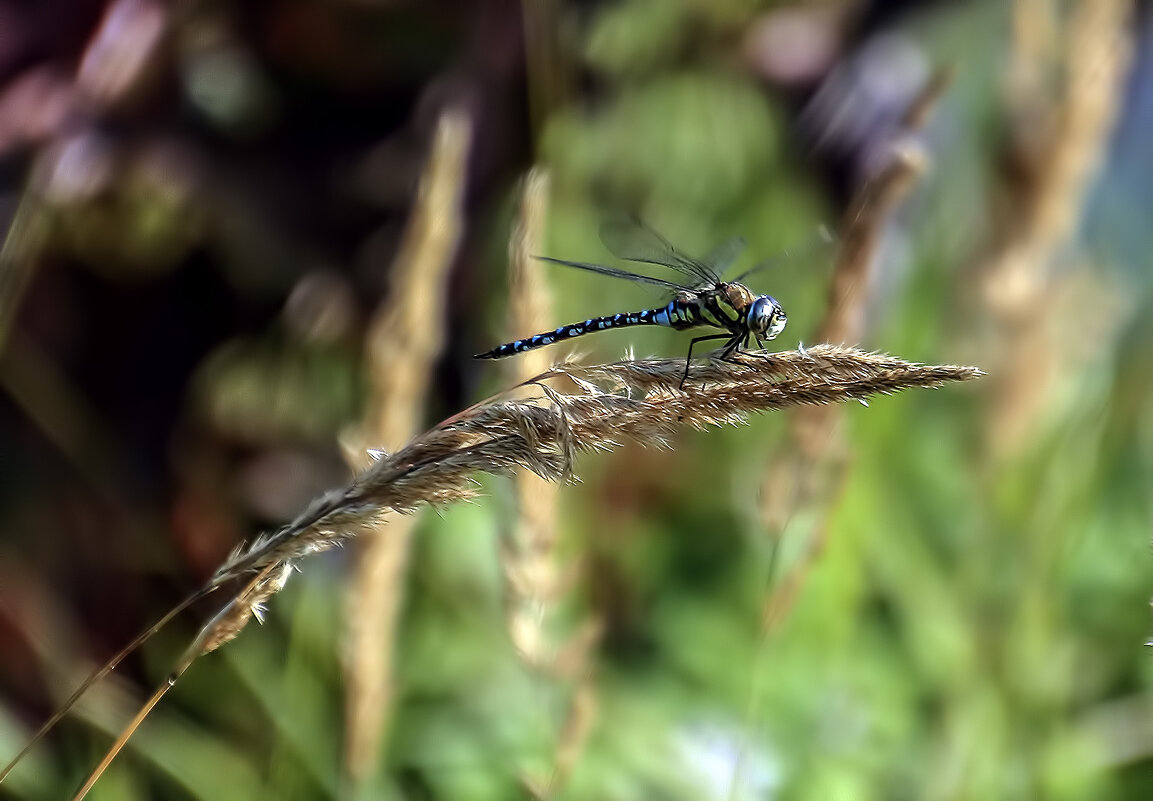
404, 339
635, 400
601, 407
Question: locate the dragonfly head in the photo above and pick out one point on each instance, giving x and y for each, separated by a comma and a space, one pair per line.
766, 318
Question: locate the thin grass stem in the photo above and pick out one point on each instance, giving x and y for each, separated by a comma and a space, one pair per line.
96, 676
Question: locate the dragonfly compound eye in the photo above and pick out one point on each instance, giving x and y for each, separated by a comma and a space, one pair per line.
766, 317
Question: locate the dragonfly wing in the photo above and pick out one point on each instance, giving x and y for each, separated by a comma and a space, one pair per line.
723, 255
821, 242
767, 264
615, 273
632, 240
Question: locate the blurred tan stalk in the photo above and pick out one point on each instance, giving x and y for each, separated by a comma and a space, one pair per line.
404, 339
537, 578
1058, 138
807, 467
529, 555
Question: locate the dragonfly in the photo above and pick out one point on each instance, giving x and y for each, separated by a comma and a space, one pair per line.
700, 298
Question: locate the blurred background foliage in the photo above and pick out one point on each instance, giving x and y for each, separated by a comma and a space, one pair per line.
205, 203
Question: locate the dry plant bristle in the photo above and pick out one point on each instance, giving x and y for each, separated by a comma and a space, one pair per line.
630, 400
230, 620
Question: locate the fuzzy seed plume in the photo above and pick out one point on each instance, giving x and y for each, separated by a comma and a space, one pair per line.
571, 409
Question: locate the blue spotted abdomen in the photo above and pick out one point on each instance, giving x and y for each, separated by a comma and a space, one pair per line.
676, 314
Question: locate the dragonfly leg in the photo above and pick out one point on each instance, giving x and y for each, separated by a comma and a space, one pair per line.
761, 345
689, 358
741, 342
733, 344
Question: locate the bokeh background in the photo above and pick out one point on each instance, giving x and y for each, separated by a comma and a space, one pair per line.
245, 241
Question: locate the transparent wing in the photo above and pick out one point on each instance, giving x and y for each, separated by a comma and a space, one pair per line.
615, 273
632, 240
767, 264
723, 255
824, 240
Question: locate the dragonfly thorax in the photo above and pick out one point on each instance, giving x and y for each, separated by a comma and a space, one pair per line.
737, 295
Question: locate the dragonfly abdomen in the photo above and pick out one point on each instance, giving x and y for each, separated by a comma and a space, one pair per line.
677, 314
